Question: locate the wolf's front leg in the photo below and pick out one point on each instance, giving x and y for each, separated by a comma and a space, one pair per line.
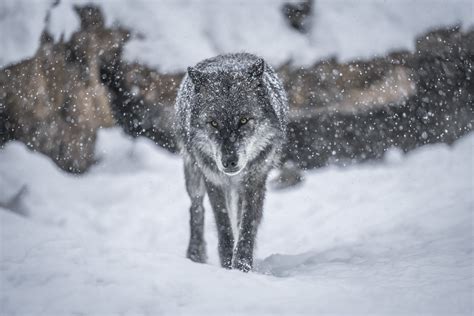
196, 190
254, 194
197, 245
224, 228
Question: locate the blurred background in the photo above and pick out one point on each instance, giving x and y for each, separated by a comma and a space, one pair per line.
374, 195
361, 77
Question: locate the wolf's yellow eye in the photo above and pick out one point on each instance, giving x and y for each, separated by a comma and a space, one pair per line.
214, 124
244, 120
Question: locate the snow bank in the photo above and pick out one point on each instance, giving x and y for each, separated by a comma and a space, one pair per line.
172, 35
21, 24
382, 237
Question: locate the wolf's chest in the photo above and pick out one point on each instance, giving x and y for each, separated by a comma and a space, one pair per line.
233, 208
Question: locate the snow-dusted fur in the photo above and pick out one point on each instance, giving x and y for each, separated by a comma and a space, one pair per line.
231, 116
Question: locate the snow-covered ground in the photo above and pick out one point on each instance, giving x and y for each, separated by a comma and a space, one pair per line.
172, 35
389, 237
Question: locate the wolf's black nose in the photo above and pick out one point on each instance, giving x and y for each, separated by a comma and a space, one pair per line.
229, 161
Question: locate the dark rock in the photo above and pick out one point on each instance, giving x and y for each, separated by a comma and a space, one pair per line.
298, 14
289, 175
16, 204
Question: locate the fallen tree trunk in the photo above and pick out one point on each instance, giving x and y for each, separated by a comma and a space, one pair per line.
439, 109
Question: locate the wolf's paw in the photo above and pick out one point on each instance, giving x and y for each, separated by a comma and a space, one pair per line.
243, 264
197, 253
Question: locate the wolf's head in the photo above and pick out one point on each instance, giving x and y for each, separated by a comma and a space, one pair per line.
232, 120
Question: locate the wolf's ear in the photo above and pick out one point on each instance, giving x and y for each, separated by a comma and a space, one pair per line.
197, 77
256, 70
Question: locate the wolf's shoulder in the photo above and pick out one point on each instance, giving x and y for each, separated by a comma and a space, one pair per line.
234, 62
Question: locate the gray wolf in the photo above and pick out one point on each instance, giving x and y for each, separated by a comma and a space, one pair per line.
231, 117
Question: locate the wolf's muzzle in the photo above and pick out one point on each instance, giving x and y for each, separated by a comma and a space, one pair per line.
230, 163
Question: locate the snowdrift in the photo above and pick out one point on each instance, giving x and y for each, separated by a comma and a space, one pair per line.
393, 237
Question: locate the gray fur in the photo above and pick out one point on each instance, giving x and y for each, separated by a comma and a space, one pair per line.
231, 117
